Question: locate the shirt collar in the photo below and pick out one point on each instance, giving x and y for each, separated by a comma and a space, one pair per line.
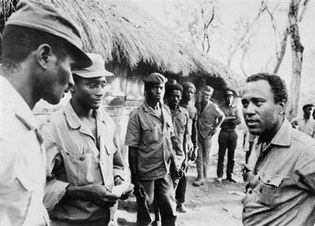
283, 136
74, 120
11, 98
147, 108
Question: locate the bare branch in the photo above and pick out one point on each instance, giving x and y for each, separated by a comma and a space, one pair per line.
236, 47
305, 5
281, 53
206, 24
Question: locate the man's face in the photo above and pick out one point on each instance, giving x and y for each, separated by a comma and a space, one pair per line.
189, 93
89, 92
260, 112
308, 112
174, 98
205, 96
156, 92
56, 80
229, 100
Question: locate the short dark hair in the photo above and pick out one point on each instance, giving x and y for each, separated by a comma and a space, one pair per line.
19, 41
306, 106
277, 85
76, 78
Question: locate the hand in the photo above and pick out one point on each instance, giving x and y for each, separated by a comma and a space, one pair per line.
212, 132
184, 165
139, 189
118, 180
193, 155
98, 194
190, 146
127, 193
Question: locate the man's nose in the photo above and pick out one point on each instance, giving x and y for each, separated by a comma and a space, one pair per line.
250, 109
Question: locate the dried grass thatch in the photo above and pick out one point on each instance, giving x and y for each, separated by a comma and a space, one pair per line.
121, 32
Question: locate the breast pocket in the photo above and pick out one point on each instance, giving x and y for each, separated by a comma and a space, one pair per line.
269, 190
78, 164
150, 134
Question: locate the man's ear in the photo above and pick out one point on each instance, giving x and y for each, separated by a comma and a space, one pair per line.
43, 55
282, 107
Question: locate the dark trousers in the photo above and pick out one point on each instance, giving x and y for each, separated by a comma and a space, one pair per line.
227, 140
180, 191
157, 194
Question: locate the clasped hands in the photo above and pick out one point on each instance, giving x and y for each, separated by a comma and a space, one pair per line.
98, 194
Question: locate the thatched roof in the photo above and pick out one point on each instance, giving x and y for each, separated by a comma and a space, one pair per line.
121, 32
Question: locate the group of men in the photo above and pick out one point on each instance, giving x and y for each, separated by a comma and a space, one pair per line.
76, 157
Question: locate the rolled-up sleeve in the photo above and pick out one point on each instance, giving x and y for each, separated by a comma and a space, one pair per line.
118, 161
55, 189
133, 131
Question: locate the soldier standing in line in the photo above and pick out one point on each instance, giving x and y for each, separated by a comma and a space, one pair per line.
210, 118
149, 137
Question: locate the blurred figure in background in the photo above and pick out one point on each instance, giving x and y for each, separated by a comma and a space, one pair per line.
189, 90
210, 118
228, 136
305, 124
180, 118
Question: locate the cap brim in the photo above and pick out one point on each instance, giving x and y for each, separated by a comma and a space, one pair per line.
82, 60
92, 74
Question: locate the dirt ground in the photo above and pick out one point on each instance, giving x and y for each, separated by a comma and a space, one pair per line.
215, 204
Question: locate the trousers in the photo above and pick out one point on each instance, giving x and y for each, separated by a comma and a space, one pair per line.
204, 145
227, 140
158, 194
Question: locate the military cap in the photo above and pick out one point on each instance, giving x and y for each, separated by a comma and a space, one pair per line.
187, 85
46, 18
97, 69
155, 78
173, 85
306, 106
208, 90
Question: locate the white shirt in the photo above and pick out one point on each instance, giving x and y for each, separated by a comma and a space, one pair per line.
306, 126
22, 162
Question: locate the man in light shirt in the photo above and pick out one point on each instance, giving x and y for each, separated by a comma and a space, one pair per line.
305, 124
279, 177
40, 46
84, 162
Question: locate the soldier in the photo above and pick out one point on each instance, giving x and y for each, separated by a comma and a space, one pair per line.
210, 118
83, 157
189, 90
149, 134
180, 117
40, 47
228, 136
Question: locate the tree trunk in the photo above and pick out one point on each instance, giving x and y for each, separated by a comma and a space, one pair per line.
297, 57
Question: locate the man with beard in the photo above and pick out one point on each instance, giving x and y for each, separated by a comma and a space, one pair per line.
40, 47
181, 139
280, 175
149, 134
228, 136
83, 157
